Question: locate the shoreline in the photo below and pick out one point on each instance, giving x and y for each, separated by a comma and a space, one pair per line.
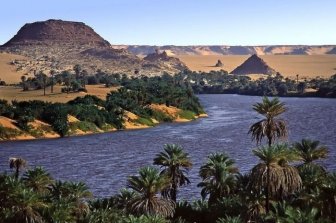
47, 136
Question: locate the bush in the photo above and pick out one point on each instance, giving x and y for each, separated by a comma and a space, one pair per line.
144, 121
187, 114
84, 126
162, 117
8, 133
57, 116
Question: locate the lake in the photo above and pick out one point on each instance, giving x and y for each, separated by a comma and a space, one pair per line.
104, 161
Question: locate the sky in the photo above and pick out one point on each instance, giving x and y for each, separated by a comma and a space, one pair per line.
185, 22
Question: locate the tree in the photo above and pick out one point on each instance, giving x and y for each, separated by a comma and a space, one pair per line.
218, 177
17, 164
23, 82
52, 74
37, 179
84, 75
273, 175
271, 127
310, 151
42, 81
148, 184
77, 68
175, 163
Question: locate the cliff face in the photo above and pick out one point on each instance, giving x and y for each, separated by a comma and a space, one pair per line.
232, 50
59, 45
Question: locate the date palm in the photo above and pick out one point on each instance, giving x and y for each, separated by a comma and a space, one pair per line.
175, 163
273, 175
310, 151
74, 194
17, 164
219, 177
270, 127
37, 179
148, 184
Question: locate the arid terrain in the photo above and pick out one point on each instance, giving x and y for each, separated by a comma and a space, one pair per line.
15, 93
9, 73
307, 66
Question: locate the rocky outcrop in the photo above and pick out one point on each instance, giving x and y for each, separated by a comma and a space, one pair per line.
163, 60
219, 64
59, 45
57, 31
254, 65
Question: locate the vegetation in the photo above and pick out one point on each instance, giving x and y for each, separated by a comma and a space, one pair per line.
94, 114
220, 82
288, 184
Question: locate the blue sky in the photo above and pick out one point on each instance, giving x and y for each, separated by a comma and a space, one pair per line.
185, 22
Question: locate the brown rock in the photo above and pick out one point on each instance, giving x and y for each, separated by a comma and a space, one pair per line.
254, 65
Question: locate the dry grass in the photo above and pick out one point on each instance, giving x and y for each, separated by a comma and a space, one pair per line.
15, 93
8, 72
307, 66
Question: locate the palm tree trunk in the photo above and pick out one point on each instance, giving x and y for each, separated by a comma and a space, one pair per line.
17, 171
174, 192
52, 84
267, 189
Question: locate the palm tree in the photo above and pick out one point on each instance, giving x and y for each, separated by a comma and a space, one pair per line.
310, 151
17, 164
27, 206
175, 163
273, 175
219, 177
270, 127
148, 184
37, 179
72, 193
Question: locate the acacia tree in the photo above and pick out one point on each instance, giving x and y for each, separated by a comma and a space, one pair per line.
271, 126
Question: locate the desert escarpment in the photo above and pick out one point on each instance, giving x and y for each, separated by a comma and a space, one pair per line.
59, 45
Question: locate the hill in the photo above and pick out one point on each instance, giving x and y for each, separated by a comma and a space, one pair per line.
254, 65
59, 45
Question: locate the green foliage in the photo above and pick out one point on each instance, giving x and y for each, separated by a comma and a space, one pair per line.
187, 114
161, 116
144, 121
8, 133
85, 126
57, 116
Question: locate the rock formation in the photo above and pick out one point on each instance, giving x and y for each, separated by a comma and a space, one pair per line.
219, 64
59, 45
254, 65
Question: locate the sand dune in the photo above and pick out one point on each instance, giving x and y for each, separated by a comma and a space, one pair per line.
307, 66
8, 72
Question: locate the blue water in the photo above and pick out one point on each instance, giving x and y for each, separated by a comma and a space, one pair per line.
104, 161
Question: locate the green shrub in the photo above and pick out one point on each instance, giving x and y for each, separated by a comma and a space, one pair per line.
144, 121
85, 126
162, 117
187, 114
8, 133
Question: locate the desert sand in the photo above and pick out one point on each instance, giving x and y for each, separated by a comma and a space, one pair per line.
8, 72
307, 66
10, 93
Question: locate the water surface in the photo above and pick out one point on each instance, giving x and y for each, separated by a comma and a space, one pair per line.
104, 161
